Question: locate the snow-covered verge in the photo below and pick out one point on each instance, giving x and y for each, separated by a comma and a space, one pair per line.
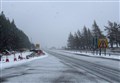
11, 63
110, 56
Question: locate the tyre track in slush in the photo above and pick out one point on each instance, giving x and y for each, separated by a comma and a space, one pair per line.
109, 74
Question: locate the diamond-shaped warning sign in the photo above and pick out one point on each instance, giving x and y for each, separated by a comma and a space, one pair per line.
102, 43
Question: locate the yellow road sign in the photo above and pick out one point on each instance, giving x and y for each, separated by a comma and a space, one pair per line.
102, 43
37, 46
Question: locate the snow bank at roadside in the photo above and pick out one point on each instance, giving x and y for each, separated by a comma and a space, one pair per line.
12, 63
117, 57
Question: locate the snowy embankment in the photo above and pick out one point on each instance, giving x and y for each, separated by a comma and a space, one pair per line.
11, 63
109, 56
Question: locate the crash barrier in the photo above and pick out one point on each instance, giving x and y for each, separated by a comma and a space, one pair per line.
6, 58
35, 54
40, 52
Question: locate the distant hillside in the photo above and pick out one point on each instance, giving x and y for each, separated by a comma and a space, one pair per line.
11, 37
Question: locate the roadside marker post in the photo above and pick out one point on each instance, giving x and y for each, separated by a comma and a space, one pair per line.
7, 60
105, 51
95, 45
15, 59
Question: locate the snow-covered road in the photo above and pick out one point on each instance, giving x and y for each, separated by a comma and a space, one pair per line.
51, 69
112, 63
92, 65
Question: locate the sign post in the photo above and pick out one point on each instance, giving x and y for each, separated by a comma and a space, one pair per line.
95, 45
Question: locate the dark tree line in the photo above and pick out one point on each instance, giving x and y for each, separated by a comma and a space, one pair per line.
84, 39
113, 33
11, 37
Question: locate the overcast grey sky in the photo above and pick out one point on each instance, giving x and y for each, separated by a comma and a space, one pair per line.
49, 23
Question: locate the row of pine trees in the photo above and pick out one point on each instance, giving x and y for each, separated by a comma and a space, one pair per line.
11, 38
85, 39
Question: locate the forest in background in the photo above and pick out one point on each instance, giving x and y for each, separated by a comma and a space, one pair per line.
12, 38
84, 39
